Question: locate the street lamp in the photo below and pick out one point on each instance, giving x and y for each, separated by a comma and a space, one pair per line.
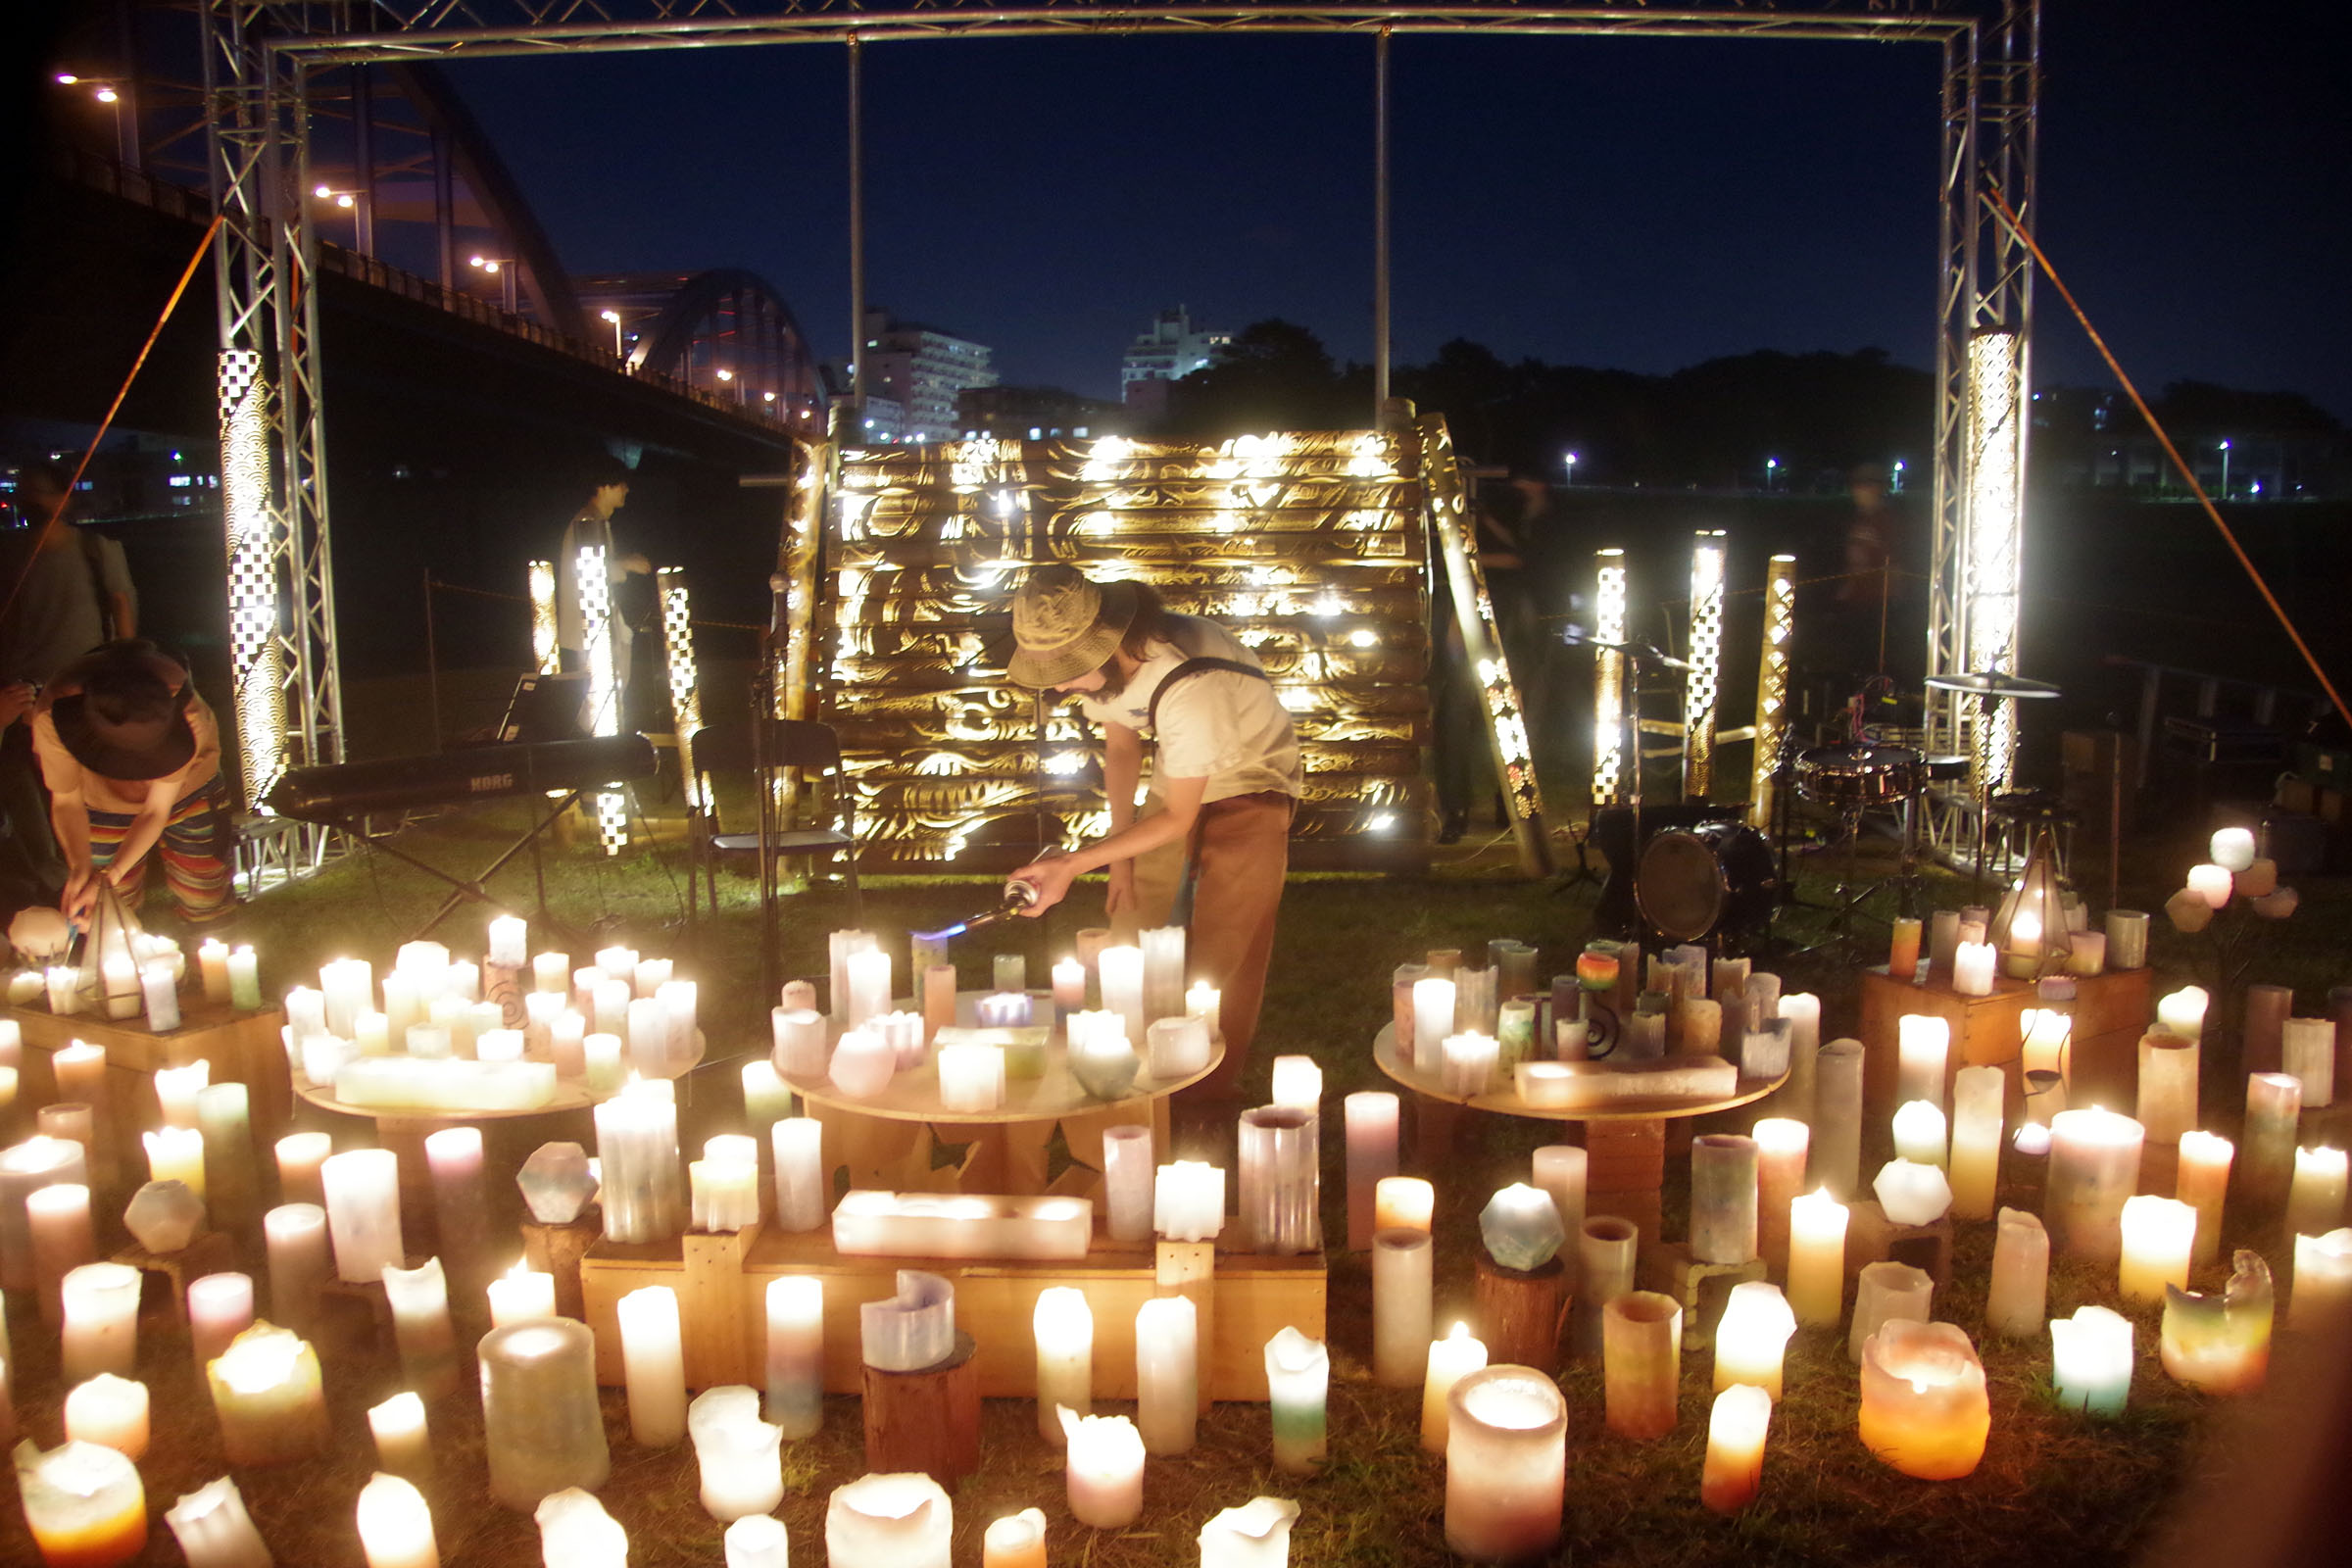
501, 268
126, 147
614, 317
2225, 470
362, 210
1897, 486
1570, 461
1772, 470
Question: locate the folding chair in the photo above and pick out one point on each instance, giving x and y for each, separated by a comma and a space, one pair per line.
789, 743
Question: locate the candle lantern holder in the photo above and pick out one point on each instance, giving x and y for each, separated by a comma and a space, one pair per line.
114, 949
2030, 930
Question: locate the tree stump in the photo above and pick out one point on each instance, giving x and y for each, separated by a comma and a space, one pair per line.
928, 1420
556, 1249
1521, 1312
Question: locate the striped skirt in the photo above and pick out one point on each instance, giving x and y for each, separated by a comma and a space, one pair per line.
194, 850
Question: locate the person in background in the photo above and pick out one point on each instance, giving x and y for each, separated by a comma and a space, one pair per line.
132, 755
608, 493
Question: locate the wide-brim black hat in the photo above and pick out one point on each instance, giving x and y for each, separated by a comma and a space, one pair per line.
139, 749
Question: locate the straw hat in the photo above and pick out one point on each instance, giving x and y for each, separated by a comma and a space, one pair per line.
1065, 625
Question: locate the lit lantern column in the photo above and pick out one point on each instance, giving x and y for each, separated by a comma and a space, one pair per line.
1706, 663
1772, 683
1608, 678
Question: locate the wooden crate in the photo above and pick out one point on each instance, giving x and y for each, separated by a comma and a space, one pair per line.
245, 1047
2111, 1012
722, 1300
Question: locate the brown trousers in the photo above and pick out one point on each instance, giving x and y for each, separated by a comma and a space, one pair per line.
1235, 860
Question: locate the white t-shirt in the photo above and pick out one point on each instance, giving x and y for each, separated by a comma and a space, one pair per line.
1225, 727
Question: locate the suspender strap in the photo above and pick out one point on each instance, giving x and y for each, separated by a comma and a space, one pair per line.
1198, 667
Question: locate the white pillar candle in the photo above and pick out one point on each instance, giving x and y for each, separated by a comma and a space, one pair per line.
2015, 1307
2315, 1202
24, 1168
869, 975
219, 1308
1403, 1201
2094, 1166
403, 1445
214, 1528
737, 1455
175, 1154
2307, 1054
1733, 1469
1255, 1535
1128, 1177
1922, 1047
1919, 1134
724, 1184
801, 1184
1103, 1471
102, 1321
2266, 1155
1973, 965
83, 1504
396, 1527
757, 1540
653, 1358
1835, 1156
363, 1212
57, 1217
2323, 1296
1506, 1464
110, 1411
2182, 1012
1297, 1382
2211, 883
542, 1429
1401, 1305
2203, 1183
1189, 1200
576, 1532
1064, 1331
1975, 1157
1558, 1170
1121, 974
2158, 1235
767, 1099
1449, 1360
420, 1326
796, 1354
1167, 1374
1751, 1337
1298, 1083
600, 1066
296, 1234
522, 1294
1817, 1225
1884, 1292
971, 1077
1069, 986
2090, 1360
267, 1398
509, 941
1433, 1020
159, 991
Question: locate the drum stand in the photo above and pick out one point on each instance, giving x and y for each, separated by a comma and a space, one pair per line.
1851, 896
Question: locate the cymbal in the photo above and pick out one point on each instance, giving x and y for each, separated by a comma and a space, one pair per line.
1992, 684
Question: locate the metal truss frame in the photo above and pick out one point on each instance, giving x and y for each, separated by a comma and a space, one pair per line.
260, 55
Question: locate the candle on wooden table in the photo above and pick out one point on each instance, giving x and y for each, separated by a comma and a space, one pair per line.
654, 1365
724, 1184
57, 1218
266, 1396
1102, 1472
737, 1455
2266, 1161
1925, 1410
1064, 1330
1120, 970
214, 1528
1973, 965
1919, 1134
1903, 948
1506, 1460
212, 962
176, 1089
2220, 1341
1816, 1294
522, 1294
1189, 1201
2315, 1202
296, 1236
1433, 1021
1449, 1360
110, 1411
83, 1502
1016, 1540
2323, 1296
1641, 1337
395, 1526
542, 1427
1884, 1292
971, 1077
403, 1445
1128, 1177
1923, 1046
2094, 1166
1467, 1063
219, 1308
1401, 1305
2158, 1236
101, 1303
1167, 1374
1751, 1337
2090, 1360
801, 1181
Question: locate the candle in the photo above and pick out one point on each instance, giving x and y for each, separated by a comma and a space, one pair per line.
1723, 1198
2126, 939
1911, 1192
58, 1217
83, 1503
2094, 1166
802, 1180
2258, 882
1104, 1470
761, 1542
1558, 1172
1884, 1292
2221, 1341
211, 961
1976, 1155
24, 1168
1297, 1380
2202, 1183
296, 1234
2158, 1235
2233, 848
403, 1447
1817, 1225
971, 1077
266, 1396
1189, 1201
1467, 1063
101, 1303
1371, 1117
2267, 1159
1924, 1411
1128, 1175
2323, 1282
1753, 1336
864, 1063
542, 1427
2307, 1052
899, 1521
1064, 1330
214, 1528
1919, 1134
396, 1527
1642, 1338
737, 1455
2315, 1202
796, 1354
2090, 1360
522, 1294
175, 1154
724, 1184
1449, 1360
1835, 1156
1505, 1464
1973, 968
654, 1363
110, 1411
1604, 1261
1402, 1306
637, 1141
175, 1091
1018, 1540
1734, 1470
1903, 950
576, 1532
1256, 1535
1166, 1374
911, 1330
363, 1211
1404, 1203
1433, 1020
428, 1345
2020, 1275
2168, 1085
2211, 883
1923, 1046
1120, 972
219, 1308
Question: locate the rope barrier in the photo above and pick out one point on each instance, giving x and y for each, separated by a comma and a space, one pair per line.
699, 624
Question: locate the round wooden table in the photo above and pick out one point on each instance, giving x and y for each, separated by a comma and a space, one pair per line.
1625, 1142
886, 1141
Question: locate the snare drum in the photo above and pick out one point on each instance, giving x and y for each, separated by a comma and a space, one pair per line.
1860, 775
1713, 878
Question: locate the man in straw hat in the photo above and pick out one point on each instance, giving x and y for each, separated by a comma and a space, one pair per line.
1211, 848
131, 756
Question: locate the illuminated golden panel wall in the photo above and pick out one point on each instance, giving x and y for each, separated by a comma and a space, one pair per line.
1310, 547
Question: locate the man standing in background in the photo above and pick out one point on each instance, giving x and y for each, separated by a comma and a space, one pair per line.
609, 492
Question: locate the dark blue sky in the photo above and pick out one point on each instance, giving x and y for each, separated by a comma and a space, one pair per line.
1642, 204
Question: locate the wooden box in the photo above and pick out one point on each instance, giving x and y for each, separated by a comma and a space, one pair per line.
722, 1301
2112, 1011
246, 1048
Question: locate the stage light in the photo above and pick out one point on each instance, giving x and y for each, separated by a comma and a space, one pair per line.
544, 654
1608, 678
257, 659
1772, 683
685, 696
1705, 677
1996, 480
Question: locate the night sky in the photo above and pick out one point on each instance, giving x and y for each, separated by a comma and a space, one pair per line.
1633, 203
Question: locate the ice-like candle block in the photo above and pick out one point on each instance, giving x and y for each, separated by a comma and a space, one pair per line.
799, 1042
1973, 965
2221, 1341
101, 1304
1468, 1063
1189, 1201
737, 1455
1063, 1327
1280, 1187
2094, 1166
1403, 1201
363, 1211
2090, 1360
637, 1141
1976, 1144
266, 1393
1168, 1359
653, 1365
971, 1078
1103, 1471
723, 1186
2020, 1275
2315, 1201
911, 1330
109, 1410
1882, 1293
1402, 1306
214, 1528
2307, 1054
1255, 1535
803, 1182
1817, 1225
1723, 1198
1128, 1175
1923, 1048
2158, 1236
1912, 1193
83, 1503
429, 1347
219, 1308
1433, 1020
1505, 1464
1121, 974
1751, 1337
1925, 1410
542, 1429
1590, 1084
878, 1224
413, 1083
1447, 1361
2211, 882
1642, 1338
2322, 1295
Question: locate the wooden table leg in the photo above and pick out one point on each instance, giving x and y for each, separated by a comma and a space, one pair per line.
1625, 1171
876, 1152
405, 1136
1437, 1123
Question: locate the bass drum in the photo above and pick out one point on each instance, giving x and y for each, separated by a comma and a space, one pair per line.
1714, 880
